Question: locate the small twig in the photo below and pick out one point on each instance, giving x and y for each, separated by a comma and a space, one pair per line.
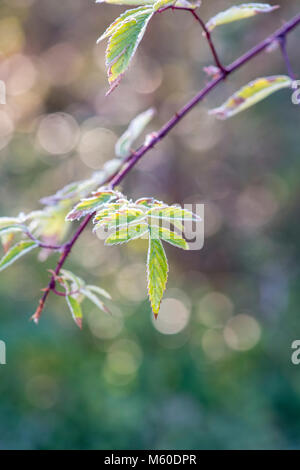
44, 245
282, 43
206, 32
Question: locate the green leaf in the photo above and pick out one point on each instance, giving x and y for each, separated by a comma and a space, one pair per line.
99, 291
173, 214
157, 272
123, 43
96, 301
75, 309
15, 252
169, 236
136, 127
90, 205
239, 12
251, 94
124, 235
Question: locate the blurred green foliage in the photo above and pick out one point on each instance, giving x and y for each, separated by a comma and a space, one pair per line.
215, 371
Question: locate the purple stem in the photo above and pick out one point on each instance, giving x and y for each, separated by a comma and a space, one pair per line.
136, 156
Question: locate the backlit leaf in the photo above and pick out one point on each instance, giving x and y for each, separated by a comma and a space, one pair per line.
123, 218
157, 272
90, 205
123, 43
99, 291
75, 309
239, 12
93, 298
136, 127
251, 94
169, 236
16, 252
124, 235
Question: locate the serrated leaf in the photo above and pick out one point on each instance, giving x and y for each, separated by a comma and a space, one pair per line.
90, 205
124, 235
136, 127
157, 272
239, 12
75, 309
169, 236
96, 301
98, 290
123, 43
15, 252
251, 94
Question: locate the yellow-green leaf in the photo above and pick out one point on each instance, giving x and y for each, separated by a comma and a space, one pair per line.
124, 235
136, 127
169, 236
90, 205
75, 309
16, 252
93, 298
123, 43
157, 272
123, 218
251, 94
239, 12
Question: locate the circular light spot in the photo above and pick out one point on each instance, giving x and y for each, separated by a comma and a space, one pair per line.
213, 345
131, 282
214, 310
105, 326
96, 146
173, 317
58, 133
242, 332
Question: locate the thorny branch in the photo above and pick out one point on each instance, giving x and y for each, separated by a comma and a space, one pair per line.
279, 36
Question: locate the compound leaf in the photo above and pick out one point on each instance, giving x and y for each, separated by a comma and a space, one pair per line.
251, 94
239, 12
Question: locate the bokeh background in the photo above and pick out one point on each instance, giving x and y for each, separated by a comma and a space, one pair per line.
215, 371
